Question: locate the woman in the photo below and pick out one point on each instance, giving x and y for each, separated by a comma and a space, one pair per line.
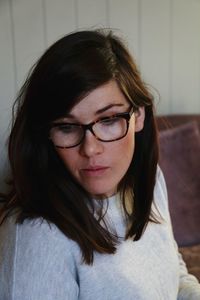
87, 215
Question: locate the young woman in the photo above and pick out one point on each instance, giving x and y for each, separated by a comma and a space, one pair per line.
87, 214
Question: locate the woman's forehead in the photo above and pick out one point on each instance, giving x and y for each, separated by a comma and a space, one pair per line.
103, 98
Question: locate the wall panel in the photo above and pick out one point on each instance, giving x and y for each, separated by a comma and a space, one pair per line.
7, 81
125, 18
91, 13
7, 64
186, 56
155, 49
60, 18
29, 41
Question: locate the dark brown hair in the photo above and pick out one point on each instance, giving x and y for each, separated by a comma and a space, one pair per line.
41, 185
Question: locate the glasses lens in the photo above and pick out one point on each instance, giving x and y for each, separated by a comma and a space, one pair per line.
110, 129
66, 135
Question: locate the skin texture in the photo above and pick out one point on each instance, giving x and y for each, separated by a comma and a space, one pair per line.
100, 166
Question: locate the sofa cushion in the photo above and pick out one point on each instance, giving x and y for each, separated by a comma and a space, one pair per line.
180, 162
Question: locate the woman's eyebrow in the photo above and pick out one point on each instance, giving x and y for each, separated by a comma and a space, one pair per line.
101, 110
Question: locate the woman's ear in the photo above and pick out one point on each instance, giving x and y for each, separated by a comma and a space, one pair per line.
139, 119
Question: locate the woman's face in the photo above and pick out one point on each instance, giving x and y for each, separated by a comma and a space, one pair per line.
99, 166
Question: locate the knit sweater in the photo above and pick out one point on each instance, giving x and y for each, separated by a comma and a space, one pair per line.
38, 262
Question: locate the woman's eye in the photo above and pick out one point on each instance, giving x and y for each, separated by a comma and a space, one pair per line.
109, 121
67, 128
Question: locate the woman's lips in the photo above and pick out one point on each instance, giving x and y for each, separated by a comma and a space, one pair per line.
95, 171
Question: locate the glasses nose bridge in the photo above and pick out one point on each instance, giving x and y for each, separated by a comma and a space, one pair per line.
88, 127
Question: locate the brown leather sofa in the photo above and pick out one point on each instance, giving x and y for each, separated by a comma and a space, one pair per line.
179, 138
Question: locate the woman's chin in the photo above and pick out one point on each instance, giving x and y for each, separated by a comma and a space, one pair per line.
97, 194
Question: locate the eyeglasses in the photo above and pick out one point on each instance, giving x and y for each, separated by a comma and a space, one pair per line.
107, 129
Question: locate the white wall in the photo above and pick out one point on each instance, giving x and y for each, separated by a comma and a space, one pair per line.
163, 35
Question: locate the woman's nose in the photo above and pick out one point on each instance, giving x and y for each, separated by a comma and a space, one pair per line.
90, 145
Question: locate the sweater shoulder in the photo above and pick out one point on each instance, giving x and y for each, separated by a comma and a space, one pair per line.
34, 232
160, 200
38, 253
36, 238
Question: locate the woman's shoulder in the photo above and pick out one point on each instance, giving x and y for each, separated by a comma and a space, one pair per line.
37, 227
36, 254
160, 195
34, 236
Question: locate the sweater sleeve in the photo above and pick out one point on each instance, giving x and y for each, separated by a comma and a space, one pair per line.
189, 287
36, 263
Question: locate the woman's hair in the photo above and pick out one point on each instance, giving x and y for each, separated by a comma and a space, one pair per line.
41, 185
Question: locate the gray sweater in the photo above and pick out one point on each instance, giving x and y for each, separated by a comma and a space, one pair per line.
38, 262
